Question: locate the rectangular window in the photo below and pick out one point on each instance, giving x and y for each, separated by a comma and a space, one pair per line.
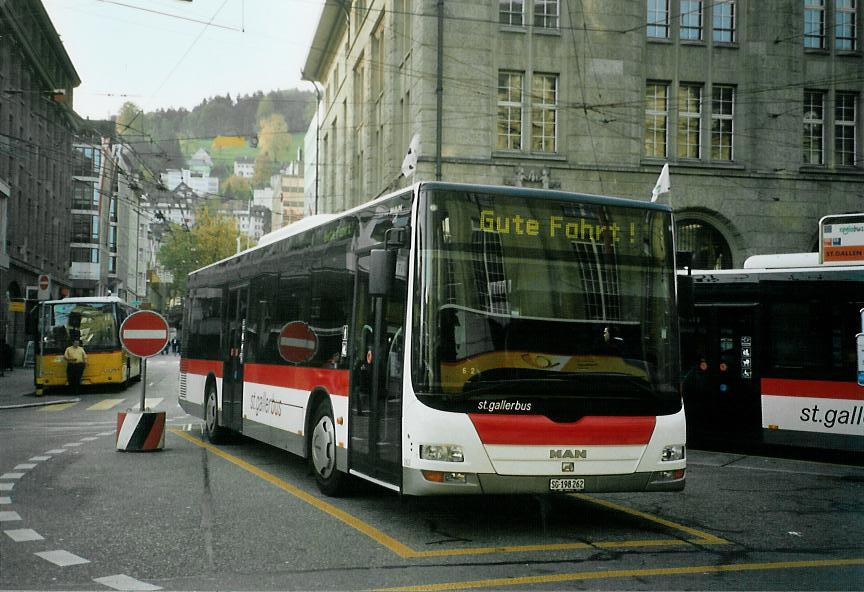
724, 21
722, 122
546, 14
84, 196
656, 119
689, 121
814, 126
845, 25
691, 20
544, 112
510, 12
814, 24
510, 89
85, 229
84, 255
845, 122
658, 19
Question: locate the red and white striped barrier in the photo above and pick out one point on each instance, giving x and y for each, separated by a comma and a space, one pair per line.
139, 431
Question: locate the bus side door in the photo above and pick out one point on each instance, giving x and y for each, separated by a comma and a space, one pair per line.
375, 426
232, 381
721, 384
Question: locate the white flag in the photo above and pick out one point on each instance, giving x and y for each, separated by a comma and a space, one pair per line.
409, 163
662, 185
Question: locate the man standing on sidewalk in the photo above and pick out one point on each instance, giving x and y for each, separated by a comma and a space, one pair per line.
76, 358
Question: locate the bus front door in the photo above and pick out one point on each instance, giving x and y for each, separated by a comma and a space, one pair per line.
232, 381
375, 426
721, 386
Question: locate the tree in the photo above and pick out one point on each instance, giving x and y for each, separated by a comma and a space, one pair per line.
274, 139
236, 187
129, 120
214, 237
265, 168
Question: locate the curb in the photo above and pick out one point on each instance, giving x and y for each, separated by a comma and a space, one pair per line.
39, 404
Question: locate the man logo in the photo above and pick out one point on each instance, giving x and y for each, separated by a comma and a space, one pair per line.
568, 453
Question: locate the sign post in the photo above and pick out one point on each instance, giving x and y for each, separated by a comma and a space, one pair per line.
143, 334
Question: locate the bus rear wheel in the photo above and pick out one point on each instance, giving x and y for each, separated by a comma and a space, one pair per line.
322, 457
212, 430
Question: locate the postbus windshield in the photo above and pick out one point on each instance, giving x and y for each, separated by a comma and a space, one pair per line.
95, 323
545, 305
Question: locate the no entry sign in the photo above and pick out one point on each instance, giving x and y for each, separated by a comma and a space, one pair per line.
144, 333
297, 342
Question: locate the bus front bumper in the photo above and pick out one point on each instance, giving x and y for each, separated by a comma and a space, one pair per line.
414, 483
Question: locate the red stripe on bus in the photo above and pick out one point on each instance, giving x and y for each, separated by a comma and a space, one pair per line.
334, 382
201, 367
540, 430
817, 389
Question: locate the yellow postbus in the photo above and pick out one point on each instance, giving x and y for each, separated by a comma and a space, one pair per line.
96, 321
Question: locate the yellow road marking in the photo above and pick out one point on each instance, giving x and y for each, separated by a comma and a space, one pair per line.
627, 573
58, 407
406, 552
340, 515
702, 537
104, 405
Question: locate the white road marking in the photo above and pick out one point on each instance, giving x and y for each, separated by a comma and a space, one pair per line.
124, 582
61, 558
9, 516
24, 467
39, 458
148, 403
22, 535
11, 475
72, 444
5, 500
88, 439
105, 434
6, 486
55, 451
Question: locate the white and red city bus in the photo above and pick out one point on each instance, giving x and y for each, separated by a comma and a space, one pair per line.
451, 339
770, 355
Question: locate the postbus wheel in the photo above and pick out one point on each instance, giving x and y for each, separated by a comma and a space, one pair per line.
322, 457
212, 430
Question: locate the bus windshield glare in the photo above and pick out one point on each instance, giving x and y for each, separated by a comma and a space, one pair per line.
93, 322
544, 306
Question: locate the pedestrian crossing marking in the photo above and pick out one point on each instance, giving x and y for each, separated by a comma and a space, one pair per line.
148, 404
55, 408
105, 405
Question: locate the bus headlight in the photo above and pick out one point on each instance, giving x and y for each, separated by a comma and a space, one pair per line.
672, 452
442, 452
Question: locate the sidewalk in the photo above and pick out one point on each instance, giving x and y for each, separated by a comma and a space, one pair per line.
17, 391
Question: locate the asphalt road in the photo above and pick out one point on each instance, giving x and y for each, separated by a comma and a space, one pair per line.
77, 514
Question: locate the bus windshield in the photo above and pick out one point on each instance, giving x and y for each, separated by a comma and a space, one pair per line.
544, 305
93, 322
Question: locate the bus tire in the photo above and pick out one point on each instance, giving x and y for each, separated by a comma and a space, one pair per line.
215, 433
322, 452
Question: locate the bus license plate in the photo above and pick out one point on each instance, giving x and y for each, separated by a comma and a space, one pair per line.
566, 484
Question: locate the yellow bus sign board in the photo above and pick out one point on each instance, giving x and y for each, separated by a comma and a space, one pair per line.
16, 306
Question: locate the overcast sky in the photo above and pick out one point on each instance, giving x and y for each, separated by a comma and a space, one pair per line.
162, 53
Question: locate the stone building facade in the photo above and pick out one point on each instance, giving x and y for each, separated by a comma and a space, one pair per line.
755, 105
36, 129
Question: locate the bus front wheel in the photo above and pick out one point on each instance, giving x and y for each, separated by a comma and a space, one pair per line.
323, 452
212, 430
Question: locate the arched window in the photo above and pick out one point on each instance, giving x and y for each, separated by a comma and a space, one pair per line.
709, 248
